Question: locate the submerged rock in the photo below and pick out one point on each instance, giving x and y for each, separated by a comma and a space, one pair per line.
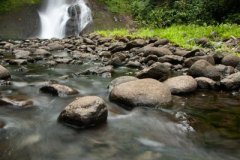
16, 101
85, 112
4, 73
181, 84
144, 92
58, 90
2, 124
157, 71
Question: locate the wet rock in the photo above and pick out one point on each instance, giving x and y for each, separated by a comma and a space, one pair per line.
231, 60
18, 62
134, 64
2, 124
206, 83
41, 52
173, 59
225, 70
117, 47
203, 68
16, 101
181, 84
4, 73
136, 43
88, 41
150, 58
218, 58
85, 112
190, 61
158, 51
58, 90
161, 42
21, 54
158, 71
185, 53
63, 60
120, 80
231, 82
116, 62
97, 70
144, 93
55, 46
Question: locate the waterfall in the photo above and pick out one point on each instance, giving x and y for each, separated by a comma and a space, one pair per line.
61, 18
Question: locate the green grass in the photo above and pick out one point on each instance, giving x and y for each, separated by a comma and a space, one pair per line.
9, 5
182, 35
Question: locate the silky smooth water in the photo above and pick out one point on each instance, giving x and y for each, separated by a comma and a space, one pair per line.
54, 17
201, 126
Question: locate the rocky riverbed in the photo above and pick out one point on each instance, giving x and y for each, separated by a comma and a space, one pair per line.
93, 81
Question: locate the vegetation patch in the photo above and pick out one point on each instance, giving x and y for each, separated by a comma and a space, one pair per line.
9, 5
183, 35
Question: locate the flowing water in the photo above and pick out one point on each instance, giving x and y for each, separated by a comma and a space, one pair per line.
201, 126
55, 16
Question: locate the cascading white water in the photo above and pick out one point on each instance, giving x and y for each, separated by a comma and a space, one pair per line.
55, 16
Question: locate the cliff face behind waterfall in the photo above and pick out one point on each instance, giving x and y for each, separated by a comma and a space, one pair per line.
22, 20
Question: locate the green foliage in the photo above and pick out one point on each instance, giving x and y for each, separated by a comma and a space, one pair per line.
155, 13
9, 5
182, 35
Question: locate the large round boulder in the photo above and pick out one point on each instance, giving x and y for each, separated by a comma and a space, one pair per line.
231, 60
85, 112
206, 83
120, 80
143, 92
158, 71
4, 73
203, 68
231, 82
181, 84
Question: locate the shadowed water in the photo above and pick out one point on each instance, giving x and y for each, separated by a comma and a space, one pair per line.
200, 126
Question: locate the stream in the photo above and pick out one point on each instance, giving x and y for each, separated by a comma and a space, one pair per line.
201, 126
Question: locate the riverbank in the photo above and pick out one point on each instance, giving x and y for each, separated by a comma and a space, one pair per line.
188, 36
121, 88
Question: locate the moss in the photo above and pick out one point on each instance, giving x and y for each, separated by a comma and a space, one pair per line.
9, 5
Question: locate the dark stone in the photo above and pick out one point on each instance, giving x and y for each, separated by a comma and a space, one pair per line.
190, 61
206, 83
203, 68
231, 82
157, 71
85, 112
158, 51
231, 60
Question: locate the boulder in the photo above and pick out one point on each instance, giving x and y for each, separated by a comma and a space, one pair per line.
117, 46
144, 92
100, 71
173, 59
21, 54
136, 43
190, 61
4, 73
58, 90
157, 71
231, 82
203, 68
120, 80
231, 60
85, 112
55, 46
158, 51
206, 83
225, 70
181, 84
41, 52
